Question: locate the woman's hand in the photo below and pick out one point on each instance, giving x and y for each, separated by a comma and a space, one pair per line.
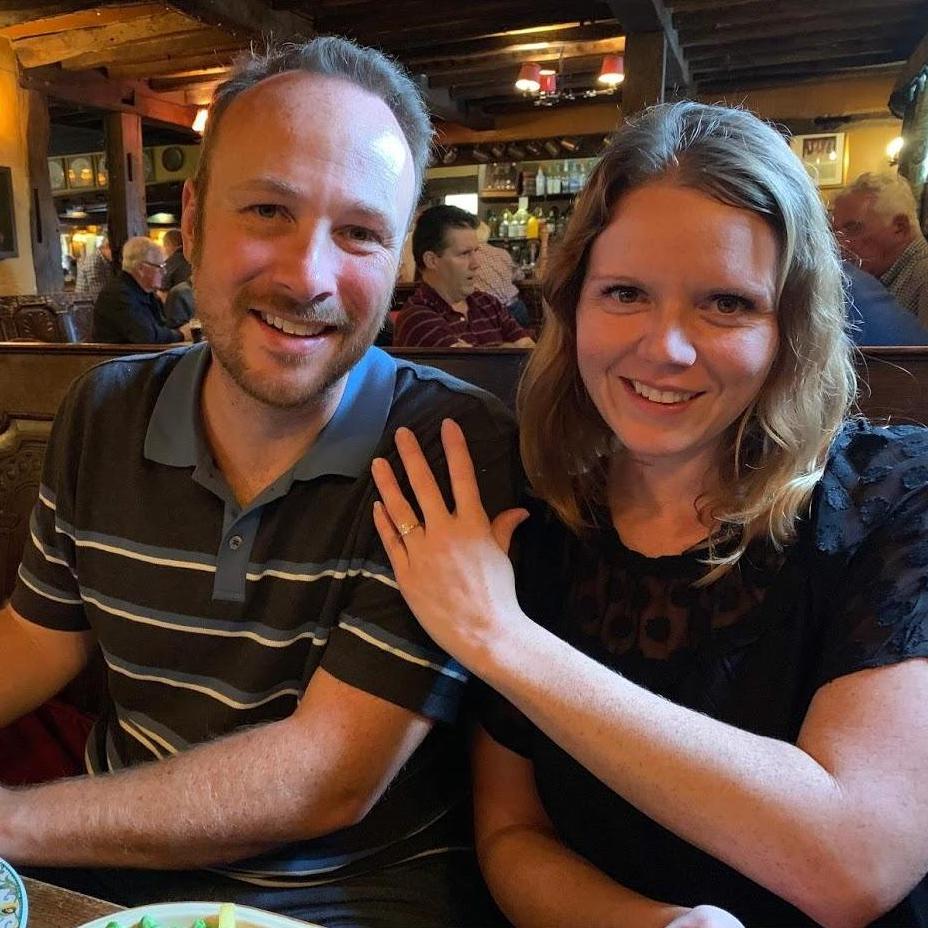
452, 568
705, 916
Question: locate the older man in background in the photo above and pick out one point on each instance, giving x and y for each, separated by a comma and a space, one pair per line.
127, 310
876, 221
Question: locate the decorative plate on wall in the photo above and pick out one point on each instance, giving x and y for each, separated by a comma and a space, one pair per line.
172, 159
56, 174
80, 171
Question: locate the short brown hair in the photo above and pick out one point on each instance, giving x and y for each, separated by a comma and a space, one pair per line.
327, 56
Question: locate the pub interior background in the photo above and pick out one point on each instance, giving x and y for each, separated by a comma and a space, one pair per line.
100, 103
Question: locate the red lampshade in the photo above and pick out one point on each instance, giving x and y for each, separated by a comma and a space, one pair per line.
529, 79
548, 83
612, 70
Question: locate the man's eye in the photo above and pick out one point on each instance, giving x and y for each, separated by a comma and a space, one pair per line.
266, 210
361, 234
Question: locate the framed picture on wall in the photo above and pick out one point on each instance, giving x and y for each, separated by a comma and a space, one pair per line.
823, 156
8, 247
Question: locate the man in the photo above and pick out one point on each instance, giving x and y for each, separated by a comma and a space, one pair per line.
94, 268
179, 306
126, 310
876, 317
876, 221
446, 311
205, 519
497, 275
176, 267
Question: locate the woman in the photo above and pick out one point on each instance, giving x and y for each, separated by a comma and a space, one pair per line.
713, 671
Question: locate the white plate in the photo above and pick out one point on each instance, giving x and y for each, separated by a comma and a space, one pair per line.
182, 915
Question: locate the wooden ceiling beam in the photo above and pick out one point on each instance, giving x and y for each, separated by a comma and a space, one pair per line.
499, 62
477, 93
220, 58
442, 106
773, 65
472, 76
84, 19
789, 11
736, 61
809, 43
200, 41
720, 7
94, 90
37, 51
188, 80
761, 79
511, 44
826, 25
16, 13
642, 16
798, 70
250, 17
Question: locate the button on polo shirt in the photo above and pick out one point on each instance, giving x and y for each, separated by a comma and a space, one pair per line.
344, 446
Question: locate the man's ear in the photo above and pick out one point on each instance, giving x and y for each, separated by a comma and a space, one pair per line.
430, 260
188, 218
902, 224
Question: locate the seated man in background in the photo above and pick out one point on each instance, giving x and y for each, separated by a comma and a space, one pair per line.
179, 304
176, 266
126, 310
876, 317
277, 730
876, 221
446, 311
497, 275
94, 268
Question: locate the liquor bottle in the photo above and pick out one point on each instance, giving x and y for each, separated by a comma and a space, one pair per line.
554, 181
531, 226
504, 224
540, 189
493, 224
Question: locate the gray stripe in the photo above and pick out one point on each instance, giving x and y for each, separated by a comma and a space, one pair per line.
200, 625
70, 597
210, 687
149, 726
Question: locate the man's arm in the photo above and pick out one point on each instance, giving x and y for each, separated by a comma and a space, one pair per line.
38, 662
319, 770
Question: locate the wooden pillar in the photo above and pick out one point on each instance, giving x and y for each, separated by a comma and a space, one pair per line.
913, 159
126, 196
43, 216
645, 71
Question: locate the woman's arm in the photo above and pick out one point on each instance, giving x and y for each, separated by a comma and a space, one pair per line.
534, 878
836, 824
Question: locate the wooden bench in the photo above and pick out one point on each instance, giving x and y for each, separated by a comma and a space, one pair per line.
49, 317
34, 378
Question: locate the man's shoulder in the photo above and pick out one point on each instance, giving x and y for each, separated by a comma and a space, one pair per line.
486, 301
420, 299
425, 390
126, 380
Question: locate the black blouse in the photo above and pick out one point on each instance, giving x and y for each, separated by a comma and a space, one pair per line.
749, 650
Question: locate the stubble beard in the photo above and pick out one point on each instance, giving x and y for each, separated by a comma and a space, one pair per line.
228, 349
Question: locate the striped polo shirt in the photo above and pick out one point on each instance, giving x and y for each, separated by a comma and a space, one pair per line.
212, 617
427, 320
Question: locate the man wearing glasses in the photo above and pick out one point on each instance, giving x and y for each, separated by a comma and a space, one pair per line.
127, 311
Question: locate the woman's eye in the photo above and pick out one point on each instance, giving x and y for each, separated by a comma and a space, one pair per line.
729, 304
624, 294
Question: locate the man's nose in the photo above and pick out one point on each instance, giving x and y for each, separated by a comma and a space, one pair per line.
308, 263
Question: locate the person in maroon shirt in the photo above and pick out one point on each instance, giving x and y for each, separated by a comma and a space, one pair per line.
446, 311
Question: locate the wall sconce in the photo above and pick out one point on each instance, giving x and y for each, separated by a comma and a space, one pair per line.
199, 121
529, 79
893, 149
612, 71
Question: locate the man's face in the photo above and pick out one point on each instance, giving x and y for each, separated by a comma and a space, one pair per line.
453, 270
866, 236
310, 191
150, 273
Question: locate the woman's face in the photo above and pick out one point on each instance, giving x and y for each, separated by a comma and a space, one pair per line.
677, 324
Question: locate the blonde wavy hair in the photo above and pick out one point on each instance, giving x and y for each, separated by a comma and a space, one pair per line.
775, 453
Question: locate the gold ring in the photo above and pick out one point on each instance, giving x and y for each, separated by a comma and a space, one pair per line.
408, 527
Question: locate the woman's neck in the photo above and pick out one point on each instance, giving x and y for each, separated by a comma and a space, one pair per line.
654, 503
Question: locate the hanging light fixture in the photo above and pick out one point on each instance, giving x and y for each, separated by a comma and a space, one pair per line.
529, 79
199, 122
612, 71
548, 84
